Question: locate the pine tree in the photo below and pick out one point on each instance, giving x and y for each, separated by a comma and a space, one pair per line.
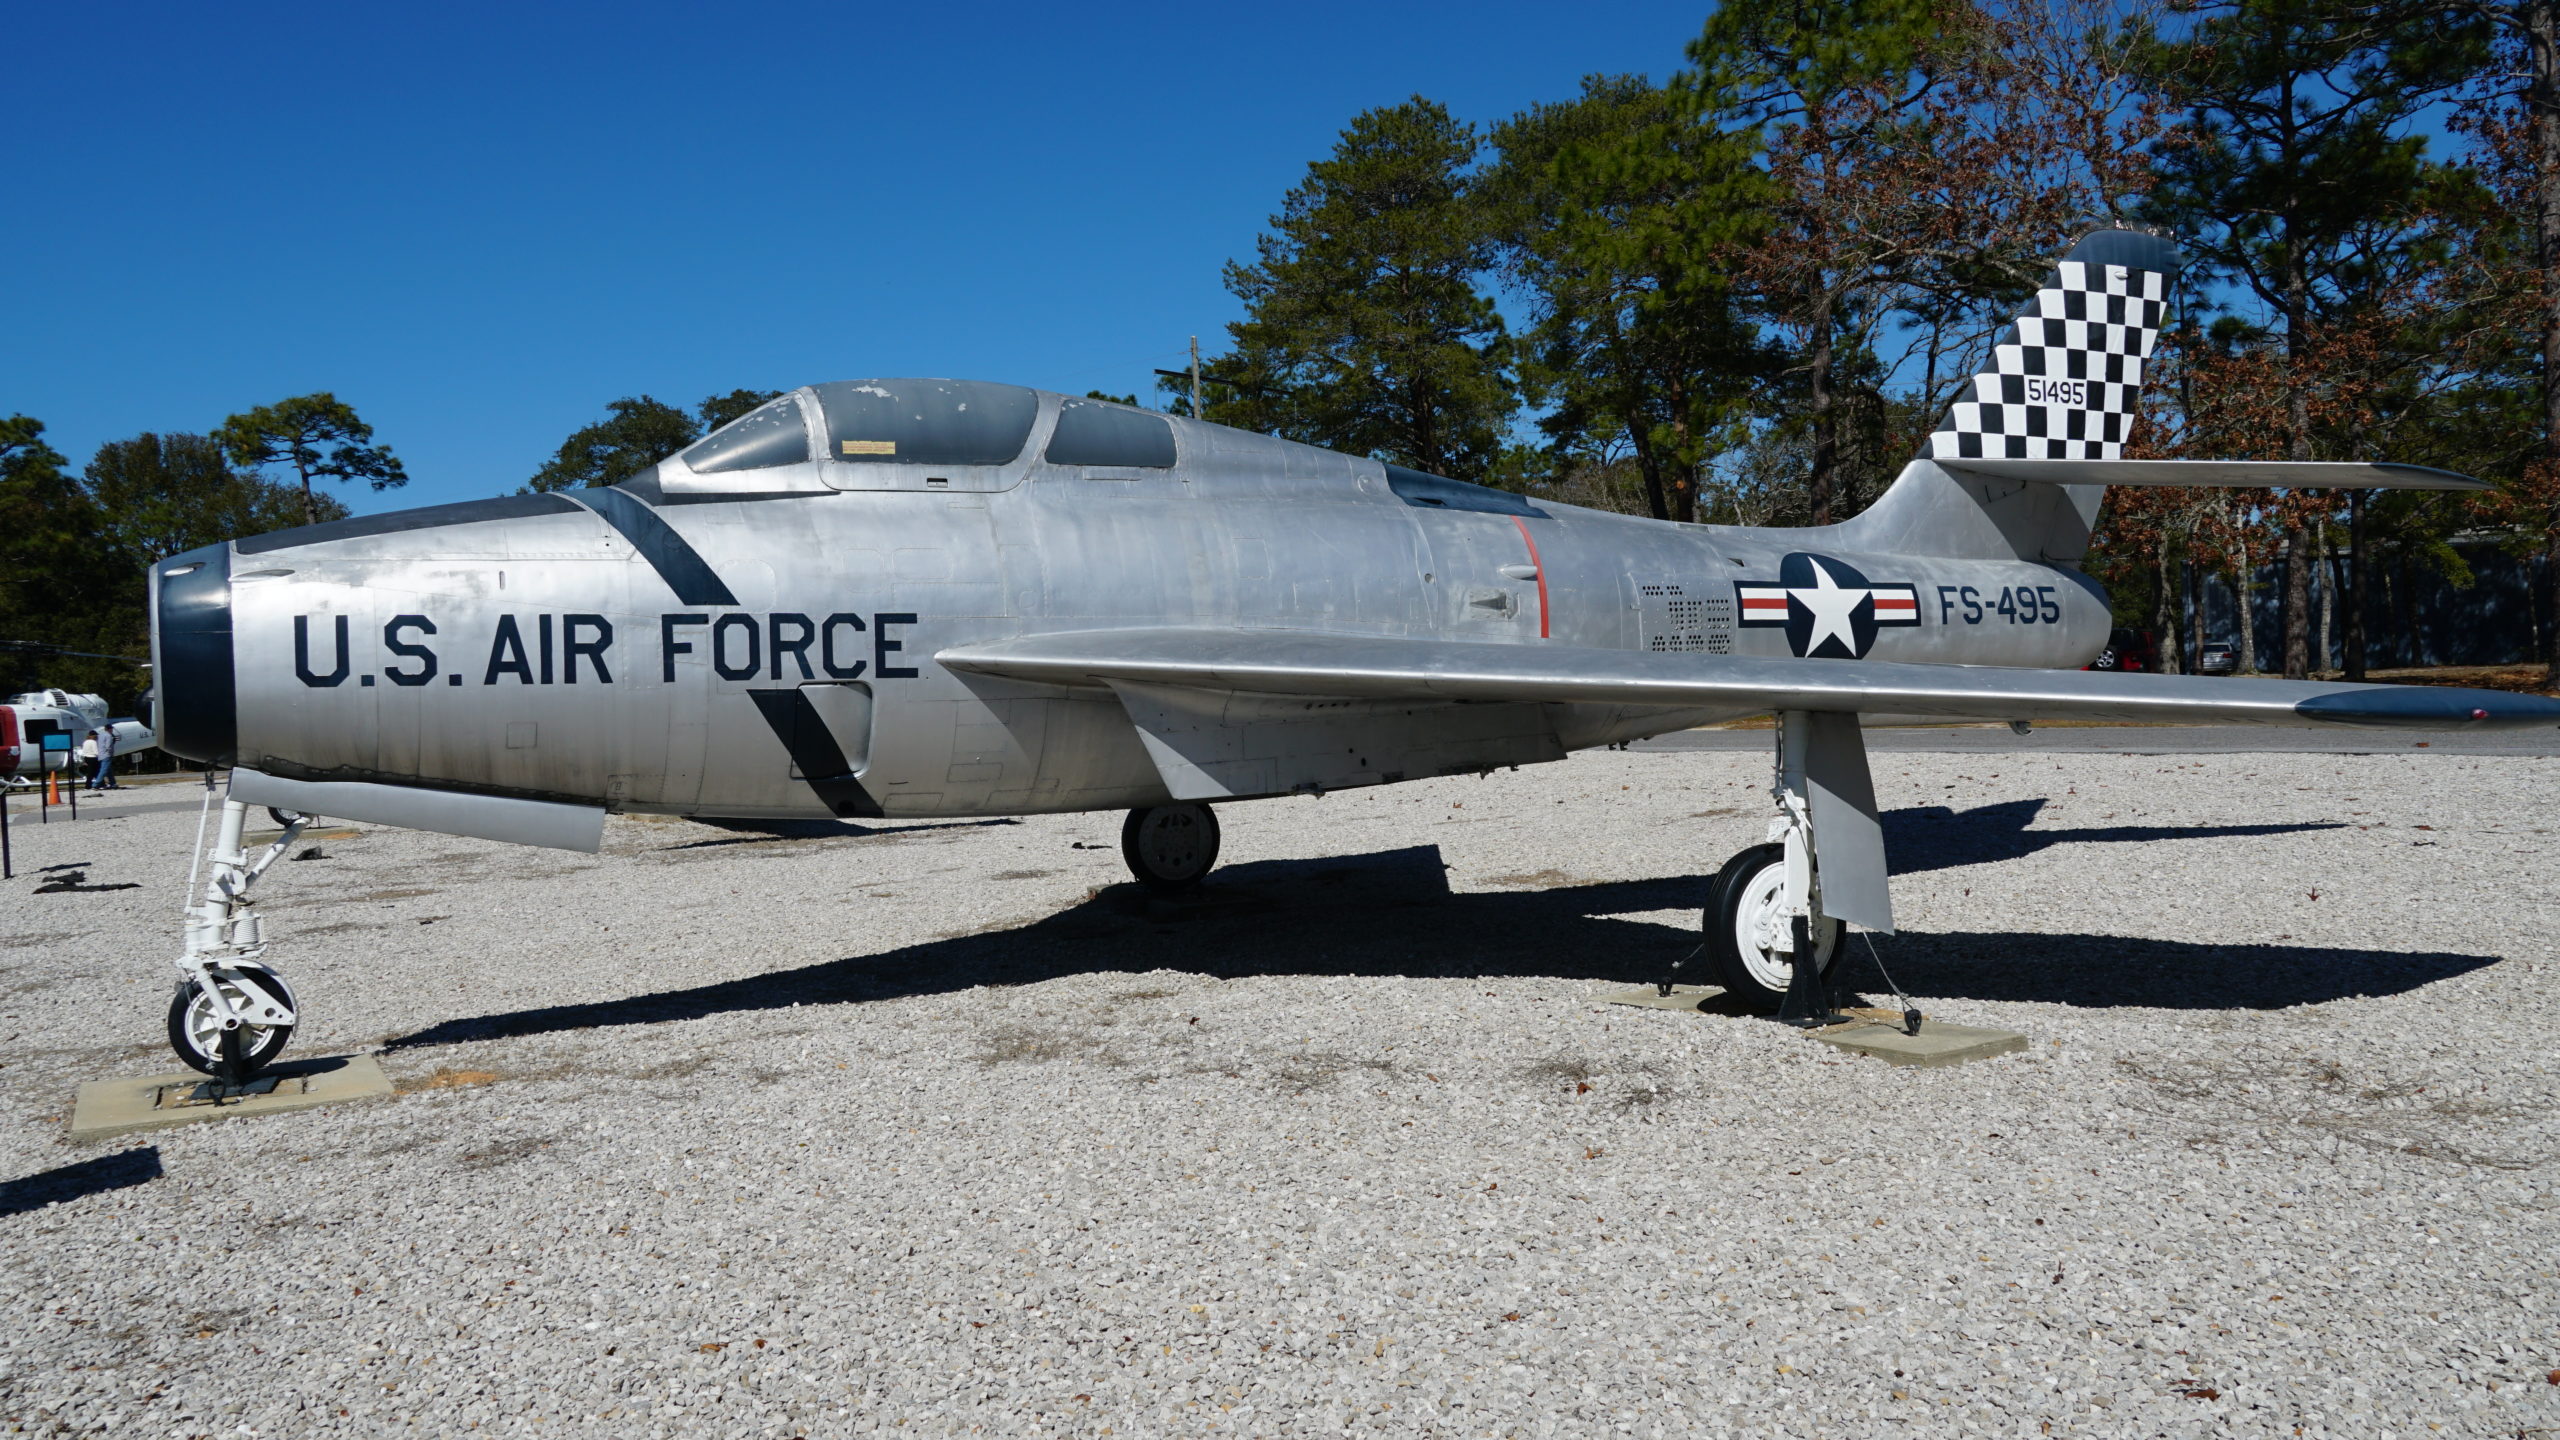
1365, 330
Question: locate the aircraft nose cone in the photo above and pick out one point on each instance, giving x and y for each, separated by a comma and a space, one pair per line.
195, 709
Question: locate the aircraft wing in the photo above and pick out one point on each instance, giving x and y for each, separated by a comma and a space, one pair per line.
1278, 662
2218, 474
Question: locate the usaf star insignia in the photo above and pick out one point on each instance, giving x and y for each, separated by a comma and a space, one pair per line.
1830, 611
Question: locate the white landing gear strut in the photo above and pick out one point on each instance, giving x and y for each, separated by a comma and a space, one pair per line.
232, 1013
1777, 912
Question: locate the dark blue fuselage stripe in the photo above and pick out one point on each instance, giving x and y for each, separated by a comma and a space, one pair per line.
667, 552
795, 721
812, 747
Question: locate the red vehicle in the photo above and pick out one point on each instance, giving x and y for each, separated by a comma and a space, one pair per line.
2127, 650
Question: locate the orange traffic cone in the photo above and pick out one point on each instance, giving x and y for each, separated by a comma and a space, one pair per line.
52, 796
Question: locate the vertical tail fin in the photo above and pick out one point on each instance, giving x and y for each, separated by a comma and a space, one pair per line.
2064, 383
2066, 380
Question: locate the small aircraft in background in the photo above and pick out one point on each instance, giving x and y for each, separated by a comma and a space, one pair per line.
922, 598
40, 733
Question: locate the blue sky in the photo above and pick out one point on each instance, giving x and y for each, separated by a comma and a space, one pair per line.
479, 223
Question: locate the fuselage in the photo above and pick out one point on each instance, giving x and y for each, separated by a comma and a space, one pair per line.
667, 645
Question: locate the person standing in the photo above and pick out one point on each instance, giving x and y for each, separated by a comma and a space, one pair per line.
106, 776
89, 758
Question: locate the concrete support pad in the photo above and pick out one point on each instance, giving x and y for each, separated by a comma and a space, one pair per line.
120, 1107
256, 840
1875, 1032
1650, 997
1938, 1042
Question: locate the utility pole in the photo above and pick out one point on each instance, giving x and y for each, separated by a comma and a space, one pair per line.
1195, 379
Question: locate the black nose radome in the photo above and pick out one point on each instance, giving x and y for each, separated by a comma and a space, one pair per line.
196, 711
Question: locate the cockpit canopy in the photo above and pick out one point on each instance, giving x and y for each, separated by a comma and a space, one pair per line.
946, 424
898, 422
771, 434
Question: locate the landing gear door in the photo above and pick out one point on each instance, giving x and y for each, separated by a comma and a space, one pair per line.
835, 722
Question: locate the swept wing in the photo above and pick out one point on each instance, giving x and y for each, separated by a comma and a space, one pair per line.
1276, 662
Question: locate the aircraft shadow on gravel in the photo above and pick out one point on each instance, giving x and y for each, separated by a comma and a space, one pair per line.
1391, 914
94, 1176
1934, 837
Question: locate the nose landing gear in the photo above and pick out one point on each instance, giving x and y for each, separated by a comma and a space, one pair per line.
208, 1038
1169, 847
232, 1013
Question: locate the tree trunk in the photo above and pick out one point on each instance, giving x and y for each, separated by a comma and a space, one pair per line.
2324, 619
2353, 591
2164, 608
1421, 419
1682, 492
1826, 420
2542, 96
2297, 602
1649, 465
2244, 590
2297, 538
2412, 644
2194, 654
2551, 632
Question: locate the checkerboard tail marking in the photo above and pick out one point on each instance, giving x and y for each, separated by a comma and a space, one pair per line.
2066, 378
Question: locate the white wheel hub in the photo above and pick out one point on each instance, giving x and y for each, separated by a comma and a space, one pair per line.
1764, 933
204, 1024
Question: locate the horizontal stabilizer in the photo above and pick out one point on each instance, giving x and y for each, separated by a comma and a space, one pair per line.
1277, 662
2217, 474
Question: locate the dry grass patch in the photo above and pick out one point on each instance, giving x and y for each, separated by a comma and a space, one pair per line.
2430, 1117
1536, 880
1036, 1045
447, 1078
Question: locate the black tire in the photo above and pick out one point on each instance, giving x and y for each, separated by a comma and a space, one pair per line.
266, 1042
1170, 847
1757, 981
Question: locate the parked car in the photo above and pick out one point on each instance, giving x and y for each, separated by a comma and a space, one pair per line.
2217, 660
2127, 650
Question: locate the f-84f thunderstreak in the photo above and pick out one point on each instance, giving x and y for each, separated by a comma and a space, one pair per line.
912, 598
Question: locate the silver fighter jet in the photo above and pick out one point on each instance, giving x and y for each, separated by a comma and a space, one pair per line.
913, 598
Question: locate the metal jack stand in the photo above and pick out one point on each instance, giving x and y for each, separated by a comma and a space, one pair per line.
1808, 1005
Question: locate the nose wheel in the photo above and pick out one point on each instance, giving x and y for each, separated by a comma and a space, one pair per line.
197, 1028
1169, 847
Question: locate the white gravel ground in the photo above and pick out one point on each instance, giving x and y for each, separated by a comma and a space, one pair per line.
938, 1129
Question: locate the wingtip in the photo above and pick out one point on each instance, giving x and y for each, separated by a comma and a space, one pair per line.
2426, 707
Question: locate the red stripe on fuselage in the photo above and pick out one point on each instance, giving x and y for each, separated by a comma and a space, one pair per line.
1538, 565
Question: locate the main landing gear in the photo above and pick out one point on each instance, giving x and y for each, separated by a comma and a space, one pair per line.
1169, 847
1776, 913
232, 1013
1753, 937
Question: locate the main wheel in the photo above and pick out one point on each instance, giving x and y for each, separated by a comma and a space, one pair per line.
195, 1031
1169, 847
1748, 931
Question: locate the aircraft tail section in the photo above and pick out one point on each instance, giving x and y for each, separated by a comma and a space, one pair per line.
2064, 383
